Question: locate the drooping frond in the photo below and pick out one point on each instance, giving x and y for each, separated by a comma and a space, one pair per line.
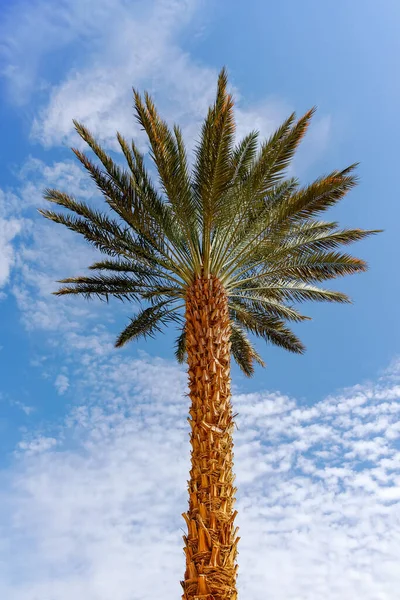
270, 328
113, 243
234, 215
180, 347
147, 323
243, 351
268, 305
123, 288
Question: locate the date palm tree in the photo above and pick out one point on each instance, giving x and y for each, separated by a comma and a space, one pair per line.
221, 248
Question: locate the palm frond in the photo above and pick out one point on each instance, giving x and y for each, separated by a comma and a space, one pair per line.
121, 244
148, 322
118, 176
246, 223
213, 169
139, 206
263, 325
317, 197
292, 291
169, 155
267, 305
146, 273
276, 154
243, 156
319, 266
151, 213
180, 347
242, 350
297, 246
123, 288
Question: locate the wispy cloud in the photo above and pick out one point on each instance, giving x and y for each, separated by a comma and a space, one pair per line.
42, 254
37, 445
61, 383
120, 46
9, 228
93, 509
28, 410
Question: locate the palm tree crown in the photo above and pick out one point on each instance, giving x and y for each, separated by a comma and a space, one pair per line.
234, 216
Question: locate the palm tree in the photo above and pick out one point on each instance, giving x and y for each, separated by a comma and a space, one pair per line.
220, 248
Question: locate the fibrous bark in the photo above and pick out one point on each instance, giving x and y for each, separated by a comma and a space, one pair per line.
211, 541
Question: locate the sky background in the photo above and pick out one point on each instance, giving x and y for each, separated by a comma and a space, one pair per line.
94, 450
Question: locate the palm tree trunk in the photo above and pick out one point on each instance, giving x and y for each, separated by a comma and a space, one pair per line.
211, 541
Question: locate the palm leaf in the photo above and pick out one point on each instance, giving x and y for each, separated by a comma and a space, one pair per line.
147, 323
213, 169
263, 325
180, 347
242, 350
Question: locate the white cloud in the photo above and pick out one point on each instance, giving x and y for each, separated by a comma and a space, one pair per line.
9, 229
94, 510
67, 175
37, 445
61, 383
120, 45
125, 45
45, 252
24, 407
45, 257
32, 30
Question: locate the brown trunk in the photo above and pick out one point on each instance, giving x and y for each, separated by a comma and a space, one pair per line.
211, 542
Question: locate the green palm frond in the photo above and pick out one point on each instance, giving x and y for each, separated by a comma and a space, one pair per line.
121, 244
169, 156
147, 323
213, 169
123, 288
135, 201
243, 351
276, 154
243, 157
244, 225
151, 212
319, 266
268, 327
233, 215
268, 305
288, 291
180, 347
124, 266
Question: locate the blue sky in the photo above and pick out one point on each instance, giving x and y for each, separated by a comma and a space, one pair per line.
321, 429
